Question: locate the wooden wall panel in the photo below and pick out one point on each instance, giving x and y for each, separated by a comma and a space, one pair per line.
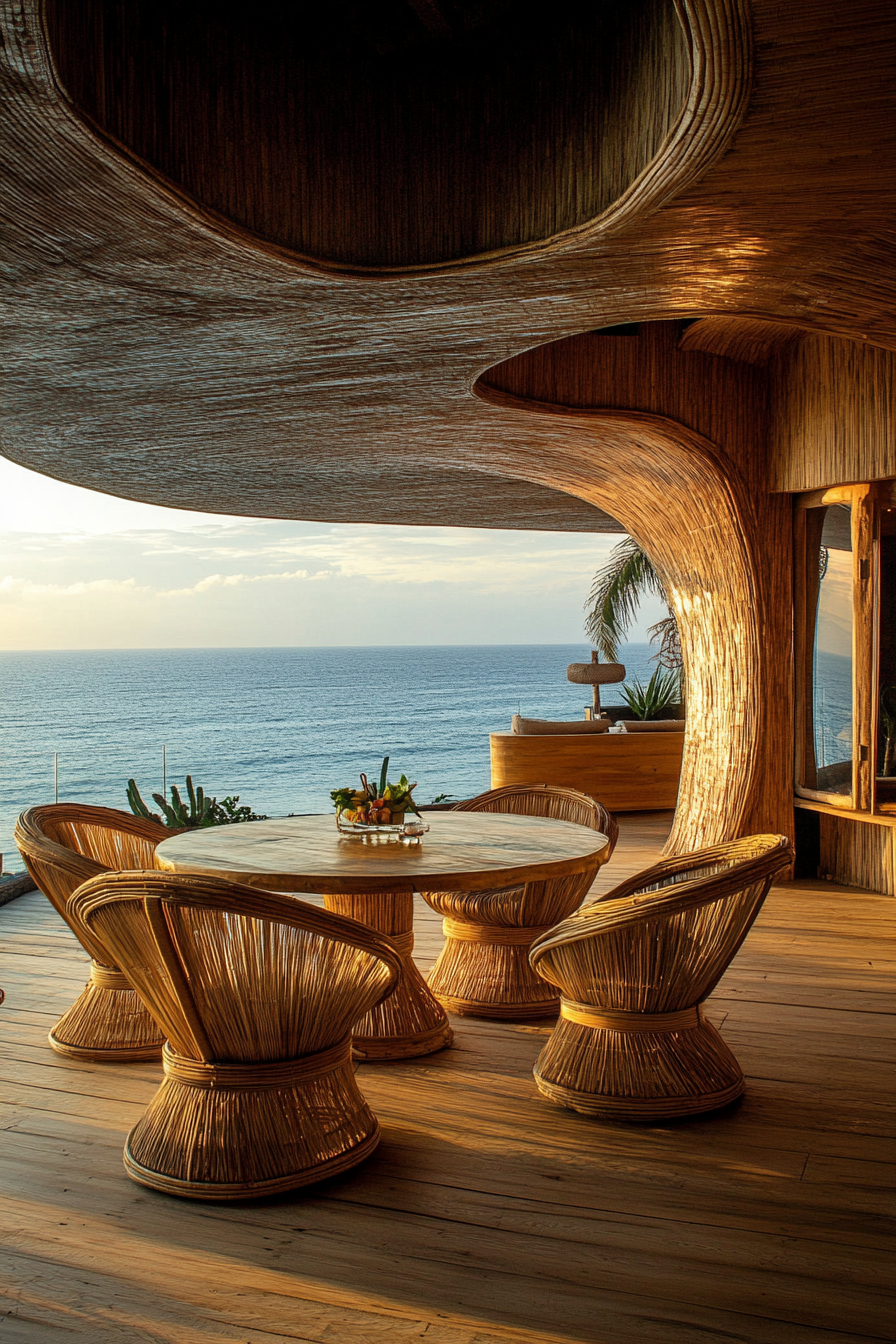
721, 399
859, 853
833, 413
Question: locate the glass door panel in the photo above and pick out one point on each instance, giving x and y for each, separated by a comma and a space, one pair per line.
825, 618
885, 771
831, 702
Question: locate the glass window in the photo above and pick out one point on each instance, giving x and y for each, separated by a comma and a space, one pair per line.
831, 699
885, 784
845, 646
825, 588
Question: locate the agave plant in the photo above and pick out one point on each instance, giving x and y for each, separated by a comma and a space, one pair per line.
612, 604
649, 702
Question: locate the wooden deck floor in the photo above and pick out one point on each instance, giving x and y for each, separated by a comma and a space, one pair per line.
488, 1214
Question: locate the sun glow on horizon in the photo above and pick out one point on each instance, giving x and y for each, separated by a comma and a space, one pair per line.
81, 570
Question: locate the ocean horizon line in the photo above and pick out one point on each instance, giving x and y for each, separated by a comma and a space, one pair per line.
280, 725
237, 648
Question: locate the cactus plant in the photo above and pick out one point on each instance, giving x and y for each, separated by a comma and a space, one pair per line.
202, 811
137, 805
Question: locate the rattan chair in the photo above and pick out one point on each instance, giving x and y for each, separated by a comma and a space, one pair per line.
633, 969
64, 844
256, 994
483, 970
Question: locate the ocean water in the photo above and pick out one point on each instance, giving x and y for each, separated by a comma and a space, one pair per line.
279, 727
832, 700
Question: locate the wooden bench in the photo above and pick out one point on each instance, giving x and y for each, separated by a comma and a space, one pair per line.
627, 772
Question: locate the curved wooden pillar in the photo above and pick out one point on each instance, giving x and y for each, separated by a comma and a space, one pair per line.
722, 550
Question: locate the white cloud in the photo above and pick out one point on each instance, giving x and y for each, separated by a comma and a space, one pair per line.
90, 571
22, 588
231, 581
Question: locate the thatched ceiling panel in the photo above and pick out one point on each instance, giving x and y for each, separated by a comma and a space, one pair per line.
355, 134
165, 354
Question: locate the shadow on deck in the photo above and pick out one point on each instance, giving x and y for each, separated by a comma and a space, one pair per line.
487, 1213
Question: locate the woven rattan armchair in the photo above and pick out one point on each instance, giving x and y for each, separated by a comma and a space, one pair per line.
64, 844
633, 969
256, 994
483, 970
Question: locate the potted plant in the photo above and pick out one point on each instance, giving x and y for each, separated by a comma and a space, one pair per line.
662, 691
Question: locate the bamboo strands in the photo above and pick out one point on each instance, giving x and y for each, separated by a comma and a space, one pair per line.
257, 994
63, 845
766, 201
410, 1022
633, 969
322, 147
483, 969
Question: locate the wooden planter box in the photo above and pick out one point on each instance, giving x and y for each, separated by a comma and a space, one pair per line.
627, 772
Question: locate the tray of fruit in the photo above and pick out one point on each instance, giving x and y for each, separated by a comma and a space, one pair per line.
379, 809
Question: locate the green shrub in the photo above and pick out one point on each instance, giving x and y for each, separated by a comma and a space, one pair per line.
202, 811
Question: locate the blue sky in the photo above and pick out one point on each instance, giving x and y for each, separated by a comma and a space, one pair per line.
84, 570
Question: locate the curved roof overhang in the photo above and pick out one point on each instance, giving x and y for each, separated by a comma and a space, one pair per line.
158, 351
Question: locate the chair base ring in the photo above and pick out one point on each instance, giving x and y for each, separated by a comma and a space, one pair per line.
92, 1054
501, 1012
371, 1049
644, 1109
107, 1024
170, 1185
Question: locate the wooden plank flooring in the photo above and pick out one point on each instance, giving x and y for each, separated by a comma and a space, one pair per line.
488, 1214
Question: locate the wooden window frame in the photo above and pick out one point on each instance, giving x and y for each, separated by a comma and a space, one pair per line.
862, 499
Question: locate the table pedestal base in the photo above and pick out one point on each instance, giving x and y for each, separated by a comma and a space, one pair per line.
411, 1021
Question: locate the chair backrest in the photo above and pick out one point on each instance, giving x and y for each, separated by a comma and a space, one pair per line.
65, 844
546, 800
235, 974
661, 941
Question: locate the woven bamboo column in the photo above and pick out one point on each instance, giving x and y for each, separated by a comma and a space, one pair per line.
411, 1021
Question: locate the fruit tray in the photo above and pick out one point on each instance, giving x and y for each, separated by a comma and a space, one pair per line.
406, 830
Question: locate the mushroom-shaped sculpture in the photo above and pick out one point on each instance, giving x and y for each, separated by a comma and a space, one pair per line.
595, 675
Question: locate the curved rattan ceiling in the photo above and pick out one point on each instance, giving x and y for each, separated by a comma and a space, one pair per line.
158, 350
366, 135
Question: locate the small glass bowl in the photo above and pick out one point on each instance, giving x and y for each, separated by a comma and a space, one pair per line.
408, 831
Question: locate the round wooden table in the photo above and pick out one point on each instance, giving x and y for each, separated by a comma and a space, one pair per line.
374, 881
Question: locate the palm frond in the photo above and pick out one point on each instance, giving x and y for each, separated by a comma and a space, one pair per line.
666, 634
616, 593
